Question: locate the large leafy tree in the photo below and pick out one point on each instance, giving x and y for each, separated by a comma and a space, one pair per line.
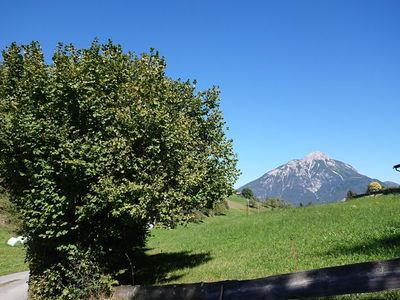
96, 145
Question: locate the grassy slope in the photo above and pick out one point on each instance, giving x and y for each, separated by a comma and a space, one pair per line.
11, 258
238, 199
237, 246
240, 203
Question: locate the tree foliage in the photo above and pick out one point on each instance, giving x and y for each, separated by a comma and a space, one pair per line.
253, 203
277, 203
96, 145
374, 186
350, 195
247, 193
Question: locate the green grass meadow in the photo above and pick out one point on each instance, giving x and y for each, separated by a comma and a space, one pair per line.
11, 258
241, 246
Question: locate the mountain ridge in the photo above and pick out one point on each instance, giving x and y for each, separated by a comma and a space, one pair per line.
316, 178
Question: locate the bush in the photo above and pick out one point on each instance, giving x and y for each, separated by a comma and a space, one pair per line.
79, 278
374, 187
391, 190
277, 203
253, 203
197, 216
9, 216
95, 146
350, 195
221, 208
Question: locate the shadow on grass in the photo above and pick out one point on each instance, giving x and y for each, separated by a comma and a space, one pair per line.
157, 268
381, 246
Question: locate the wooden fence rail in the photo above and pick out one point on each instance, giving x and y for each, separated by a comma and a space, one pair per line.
348, 279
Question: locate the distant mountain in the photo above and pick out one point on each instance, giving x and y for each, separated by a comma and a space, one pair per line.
390, 184
317, 178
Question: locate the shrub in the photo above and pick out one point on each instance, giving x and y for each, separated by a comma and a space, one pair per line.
374, 187
253, 203
350, 195
78, 278
277, 203
9, 216
221, 208
96, 145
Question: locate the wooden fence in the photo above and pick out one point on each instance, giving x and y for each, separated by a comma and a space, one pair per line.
348, 279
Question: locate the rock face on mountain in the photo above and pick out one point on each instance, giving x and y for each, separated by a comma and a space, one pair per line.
317, 178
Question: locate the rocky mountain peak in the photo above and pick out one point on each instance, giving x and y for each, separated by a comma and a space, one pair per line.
316, 178
316, 155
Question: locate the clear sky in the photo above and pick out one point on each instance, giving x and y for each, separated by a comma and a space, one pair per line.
296, 76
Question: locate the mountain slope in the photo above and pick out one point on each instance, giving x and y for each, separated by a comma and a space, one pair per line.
317, 178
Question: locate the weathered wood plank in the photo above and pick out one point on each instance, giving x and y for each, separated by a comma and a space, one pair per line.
348, 279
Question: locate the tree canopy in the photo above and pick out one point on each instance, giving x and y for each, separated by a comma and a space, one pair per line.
94, 146
247, 193
374, 186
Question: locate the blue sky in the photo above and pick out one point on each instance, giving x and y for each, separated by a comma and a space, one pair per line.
296, 76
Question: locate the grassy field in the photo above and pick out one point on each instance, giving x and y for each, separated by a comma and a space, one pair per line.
238, 199
11, 258
237, 202
241, 246
237, 246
